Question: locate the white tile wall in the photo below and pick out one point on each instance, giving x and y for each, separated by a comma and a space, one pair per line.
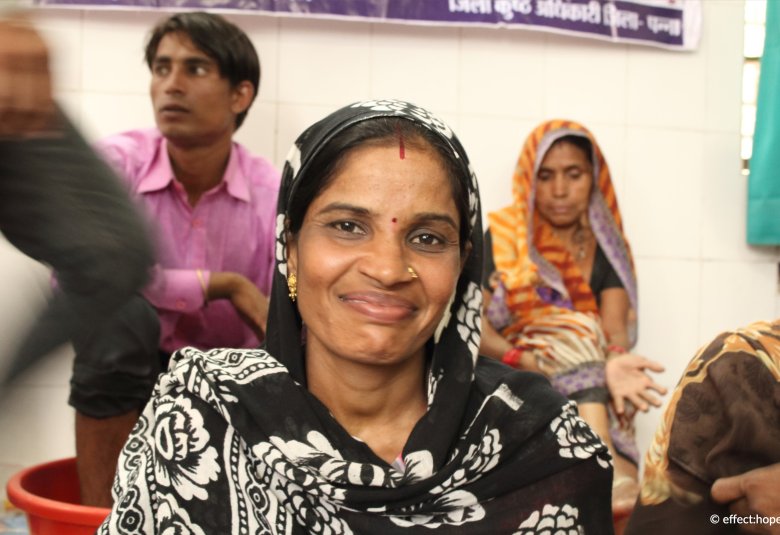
264, 33
293, 119
612, 140
586, 80
103, 114
36, 429
63, 30
749, 295
662, 205
260, 128
22, 297
666, 89
113, 51
723, 41
669, 293
324, 62
724, 194
668, 123
502, 72
493, 145
669, 297
399, 70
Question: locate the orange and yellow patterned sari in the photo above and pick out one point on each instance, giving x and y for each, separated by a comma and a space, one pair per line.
723, 419
540, 276
547, 306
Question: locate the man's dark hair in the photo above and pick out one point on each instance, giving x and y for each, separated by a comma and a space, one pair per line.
220, 40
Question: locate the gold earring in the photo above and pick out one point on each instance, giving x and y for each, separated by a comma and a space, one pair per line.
412, 272
292, 286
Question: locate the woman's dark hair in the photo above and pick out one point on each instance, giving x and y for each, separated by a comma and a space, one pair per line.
581, 142
378, 131
220, 40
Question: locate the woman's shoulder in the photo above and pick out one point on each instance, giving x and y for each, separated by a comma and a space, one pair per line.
533, 390
534, 422
220, 366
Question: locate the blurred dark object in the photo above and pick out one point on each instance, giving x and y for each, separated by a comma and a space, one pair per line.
62, 205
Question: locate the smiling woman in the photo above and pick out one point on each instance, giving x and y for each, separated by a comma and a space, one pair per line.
368, 411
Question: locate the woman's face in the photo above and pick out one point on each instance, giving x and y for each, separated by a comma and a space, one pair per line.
383, 212
563, 185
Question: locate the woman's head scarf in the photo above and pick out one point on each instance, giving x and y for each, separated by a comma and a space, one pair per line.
458, 332
442, 446
540, 275
496, 452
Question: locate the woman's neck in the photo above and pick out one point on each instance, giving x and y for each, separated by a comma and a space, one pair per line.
578, 240
566, 234
379, 405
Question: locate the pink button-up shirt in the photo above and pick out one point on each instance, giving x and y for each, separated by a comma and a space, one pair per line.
230, 229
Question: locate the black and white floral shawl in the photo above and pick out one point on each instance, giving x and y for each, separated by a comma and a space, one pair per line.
232, 442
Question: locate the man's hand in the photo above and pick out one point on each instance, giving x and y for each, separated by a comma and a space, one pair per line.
753, 493
26, 103
627, 379
247, 299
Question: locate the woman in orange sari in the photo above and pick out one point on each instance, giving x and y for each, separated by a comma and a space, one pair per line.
561, 292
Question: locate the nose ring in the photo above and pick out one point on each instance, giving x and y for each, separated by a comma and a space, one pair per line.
412, 272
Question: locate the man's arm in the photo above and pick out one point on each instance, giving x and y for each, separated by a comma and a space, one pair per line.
246, 298
60, 204
756, 492
189, 290
26, 104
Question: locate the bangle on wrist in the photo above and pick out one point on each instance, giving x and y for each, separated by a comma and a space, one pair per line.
615, 349
203, 287
513, 356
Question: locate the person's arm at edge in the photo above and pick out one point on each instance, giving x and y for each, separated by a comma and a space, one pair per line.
627, 378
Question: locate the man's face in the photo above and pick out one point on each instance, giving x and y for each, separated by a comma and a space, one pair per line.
193, 104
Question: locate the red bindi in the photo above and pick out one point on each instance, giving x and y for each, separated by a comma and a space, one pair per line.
401, 150
395, 220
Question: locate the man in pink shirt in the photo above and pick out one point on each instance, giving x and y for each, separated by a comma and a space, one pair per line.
212, 205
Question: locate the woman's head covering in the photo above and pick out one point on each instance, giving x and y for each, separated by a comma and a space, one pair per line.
443, 440
497, 451
539, 273
457, 336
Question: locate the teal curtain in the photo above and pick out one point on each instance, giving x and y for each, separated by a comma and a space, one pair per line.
763, 226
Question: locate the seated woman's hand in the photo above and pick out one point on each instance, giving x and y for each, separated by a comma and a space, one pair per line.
627, 379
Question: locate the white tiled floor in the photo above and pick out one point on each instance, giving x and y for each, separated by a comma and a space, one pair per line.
13, 522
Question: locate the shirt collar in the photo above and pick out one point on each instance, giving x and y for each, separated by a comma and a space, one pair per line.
235, 179
160, 174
